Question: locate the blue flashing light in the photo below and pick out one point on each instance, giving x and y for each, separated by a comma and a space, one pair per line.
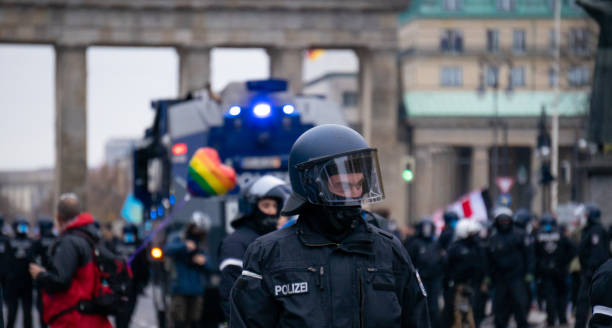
160, 211
153, 214
288, 109
235, 110
172, 199
262, 110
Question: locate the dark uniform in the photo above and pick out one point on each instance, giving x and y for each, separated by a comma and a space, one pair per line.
592, 252
554, 252
125, 248
20, 287
466, 270
509, 261
523, 222
601, 298
447, 234
42, 248
251, 224
428, 258
330, 269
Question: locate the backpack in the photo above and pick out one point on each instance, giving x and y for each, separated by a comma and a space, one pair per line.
114, 280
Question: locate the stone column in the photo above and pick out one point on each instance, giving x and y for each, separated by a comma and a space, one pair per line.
194, 69
479, 168
379, 90
287, 64
71, 120
423, 183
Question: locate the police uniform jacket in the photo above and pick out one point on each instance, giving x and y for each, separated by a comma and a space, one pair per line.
594, 249
509, 256
295, 277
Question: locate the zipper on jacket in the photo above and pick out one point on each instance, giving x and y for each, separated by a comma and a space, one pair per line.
321, 273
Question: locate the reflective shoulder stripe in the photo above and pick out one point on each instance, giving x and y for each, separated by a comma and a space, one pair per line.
230, 261
251, 274
600, 309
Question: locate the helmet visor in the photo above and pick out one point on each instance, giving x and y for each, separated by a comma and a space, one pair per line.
344, 180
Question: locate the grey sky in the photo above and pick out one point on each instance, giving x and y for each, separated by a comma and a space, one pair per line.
121, 84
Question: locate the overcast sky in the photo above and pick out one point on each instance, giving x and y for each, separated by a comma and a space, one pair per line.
121, 83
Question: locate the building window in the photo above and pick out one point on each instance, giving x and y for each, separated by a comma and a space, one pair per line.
505, 5
579, 40
349, 99
518, 41
451, 41
492, 76
578, 76
552, 77
453, 5
492, 40
517, 76
552, 40
451, 76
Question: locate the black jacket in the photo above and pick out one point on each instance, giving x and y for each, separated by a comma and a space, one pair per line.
230, 258
21, 254
594, 249
428, 257
295, 277
509, 256
601, 298
42, 248
467, 262
139, 265
446, 238
554, 252
4, 257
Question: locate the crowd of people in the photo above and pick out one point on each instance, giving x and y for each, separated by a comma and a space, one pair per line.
335, 265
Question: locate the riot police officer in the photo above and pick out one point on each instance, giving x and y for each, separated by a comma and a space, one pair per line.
20, 287
554, 251
259, 208
466, 268
428, 258
593, 251
41, 253
331, 268
523, 221
510, 265
125, 247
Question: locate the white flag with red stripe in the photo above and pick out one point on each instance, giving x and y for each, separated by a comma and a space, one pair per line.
469, 206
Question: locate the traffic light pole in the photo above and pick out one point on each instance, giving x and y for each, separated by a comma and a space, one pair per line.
555, 116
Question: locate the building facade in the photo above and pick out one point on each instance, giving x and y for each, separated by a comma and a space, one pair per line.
342, 89
476, 76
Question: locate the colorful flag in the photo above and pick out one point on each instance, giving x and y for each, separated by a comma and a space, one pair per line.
207, 176
314, 54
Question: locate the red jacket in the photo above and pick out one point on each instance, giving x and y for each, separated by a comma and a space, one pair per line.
73, 277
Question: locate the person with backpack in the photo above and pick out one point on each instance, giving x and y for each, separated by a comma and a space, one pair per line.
18, 289
73, 279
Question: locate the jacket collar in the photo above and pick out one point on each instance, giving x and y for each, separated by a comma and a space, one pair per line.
360, 240
81, 220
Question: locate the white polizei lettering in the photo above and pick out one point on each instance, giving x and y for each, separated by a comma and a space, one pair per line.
291, 289
600, 309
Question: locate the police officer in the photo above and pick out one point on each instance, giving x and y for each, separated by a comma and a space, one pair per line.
20, 286
4, 252
593, 251
601, 298
554, 251
428, 258
330, 269
447, 234
523, 221
259, 208
466, 269
510, 265
41, 253
125, 247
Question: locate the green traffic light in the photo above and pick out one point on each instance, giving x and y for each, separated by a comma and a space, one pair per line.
407, 175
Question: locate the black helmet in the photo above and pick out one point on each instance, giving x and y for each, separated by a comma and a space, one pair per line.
265, 187
45, 226
426, 228
21, 226
130, 228
503, 219
548, 222
593, 214
522, 217
450, 218
331, 156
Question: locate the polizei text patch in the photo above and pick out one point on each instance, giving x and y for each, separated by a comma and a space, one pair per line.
290, 289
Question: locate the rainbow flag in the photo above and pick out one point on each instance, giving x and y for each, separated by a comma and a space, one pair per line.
207, 176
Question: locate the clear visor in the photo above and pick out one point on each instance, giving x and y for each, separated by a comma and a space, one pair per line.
345, 180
